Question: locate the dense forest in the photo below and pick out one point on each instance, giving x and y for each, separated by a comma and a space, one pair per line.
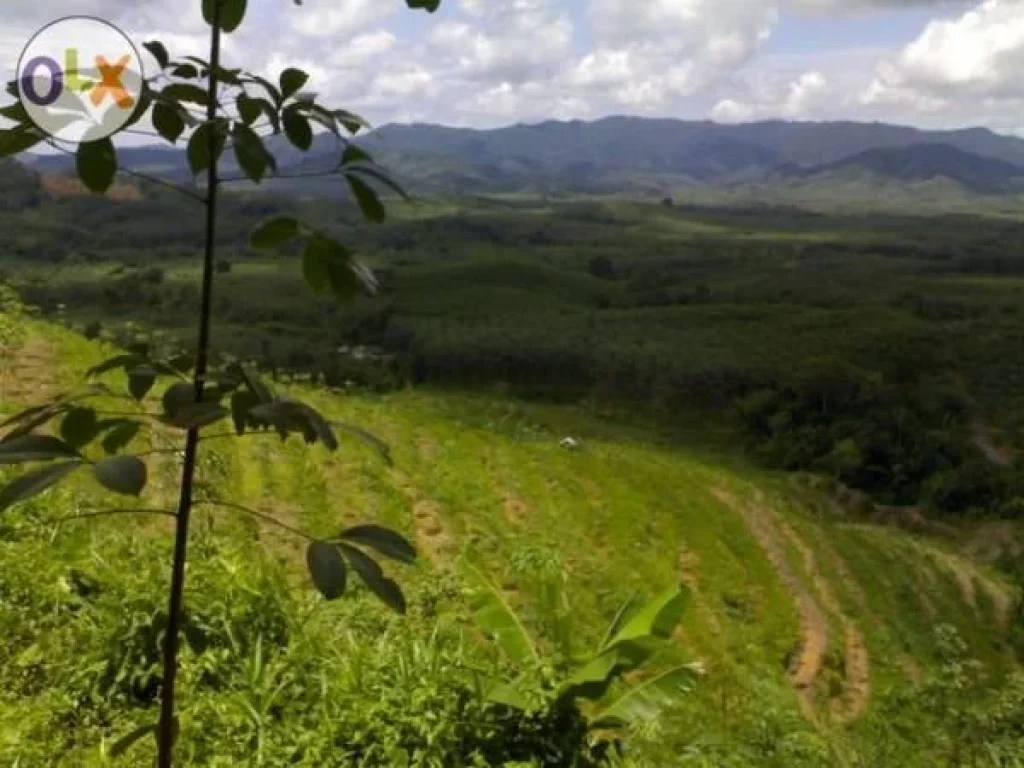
865, 347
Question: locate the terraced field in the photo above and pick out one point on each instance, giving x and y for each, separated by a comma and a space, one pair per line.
799, 614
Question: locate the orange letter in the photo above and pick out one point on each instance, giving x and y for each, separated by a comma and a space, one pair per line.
112, 84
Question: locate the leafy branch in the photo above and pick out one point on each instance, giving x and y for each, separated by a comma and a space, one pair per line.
212, 109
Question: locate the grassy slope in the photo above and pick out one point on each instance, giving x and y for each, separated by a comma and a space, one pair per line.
486, 476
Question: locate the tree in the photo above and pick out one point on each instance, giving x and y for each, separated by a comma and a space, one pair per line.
176, 103
602, 267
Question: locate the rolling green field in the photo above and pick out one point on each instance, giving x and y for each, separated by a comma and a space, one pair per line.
811, 625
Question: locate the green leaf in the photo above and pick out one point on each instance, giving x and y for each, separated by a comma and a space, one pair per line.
231, 14
290, 416
185, 71
196, 415
179, 395
427, 5
375, 442
353, 123
186, 92
386, 590
389, 543
658, 618
255, 385
625, 611
130, 739
509, 695
122, 433
16, 140
159, 52
323, 116
252, 156
168, 122
369, 202
15, 112
140, 380
97, 164
314, 268
354, 154
199, 156
593, 679
495, 617
297, 129
79, 427
327, 567
323, 430
27, 425
377, 174
269, 87
125, 475
272, 233
328, 264
346, 277
292, 81
249, 109
118, 361
182, 364
34, 483
241, 404
649, 699
35, 448
28, 413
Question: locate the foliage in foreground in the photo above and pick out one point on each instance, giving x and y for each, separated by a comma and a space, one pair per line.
270, 674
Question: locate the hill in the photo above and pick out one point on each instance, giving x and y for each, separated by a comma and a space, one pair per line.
817, 629
638, 155
926, 162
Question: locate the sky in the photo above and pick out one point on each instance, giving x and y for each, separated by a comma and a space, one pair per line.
486, 63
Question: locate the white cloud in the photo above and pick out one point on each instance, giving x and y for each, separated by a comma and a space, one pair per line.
338, 18
978, 55
652, 51
731, 111
800, 99
484, 62
503, 40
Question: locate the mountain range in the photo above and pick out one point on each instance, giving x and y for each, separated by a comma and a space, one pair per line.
640, 155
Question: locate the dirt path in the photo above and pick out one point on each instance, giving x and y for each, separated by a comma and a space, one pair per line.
29, 377
856, 666
813, 641
432, 536
963, 575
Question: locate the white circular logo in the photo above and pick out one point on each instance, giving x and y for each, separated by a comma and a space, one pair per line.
80, 79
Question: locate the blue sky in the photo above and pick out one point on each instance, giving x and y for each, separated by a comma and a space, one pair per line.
494, 62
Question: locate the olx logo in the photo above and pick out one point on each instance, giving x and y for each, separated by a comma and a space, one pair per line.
69, 77
80, 79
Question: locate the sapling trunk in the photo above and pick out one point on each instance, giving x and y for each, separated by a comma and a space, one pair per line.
167, 727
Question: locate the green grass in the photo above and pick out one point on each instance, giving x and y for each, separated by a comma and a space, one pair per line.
622, 514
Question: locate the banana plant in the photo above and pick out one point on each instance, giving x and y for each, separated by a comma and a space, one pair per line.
596, 682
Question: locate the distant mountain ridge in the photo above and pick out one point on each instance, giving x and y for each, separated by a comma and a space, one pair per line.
632, 154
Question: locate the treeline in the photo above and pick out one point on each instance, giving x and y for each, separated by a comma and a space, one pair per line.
904, 442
